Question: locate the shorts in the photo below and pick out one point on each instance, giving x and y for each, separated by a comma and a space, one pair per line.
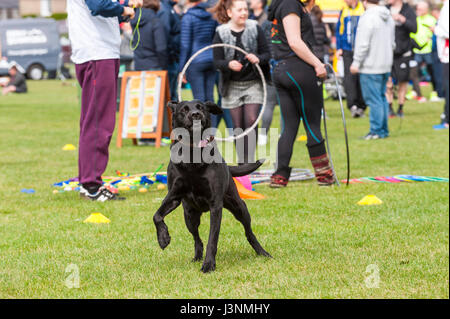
240, 93
401, 68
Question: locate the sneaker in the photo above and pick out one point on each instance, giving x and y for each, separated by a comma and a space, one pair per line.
354, 111
411, 95
421, 99
102, 195
278, 181
360, 112
262, 139
371, 136
442, 126
434, 97
400, 113
392, 114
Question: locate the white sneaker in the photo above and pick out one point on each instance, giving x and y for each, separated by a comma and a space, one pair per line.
262, 139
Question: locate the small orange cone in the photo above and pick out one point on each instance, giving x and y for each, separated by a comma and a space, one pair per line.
244, 193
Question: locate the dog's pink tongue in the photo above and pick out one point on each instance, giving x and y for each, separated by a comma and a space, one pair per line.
203, 143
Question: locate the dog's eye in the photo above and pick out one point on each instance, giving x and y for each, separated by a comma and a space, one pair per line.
185, 109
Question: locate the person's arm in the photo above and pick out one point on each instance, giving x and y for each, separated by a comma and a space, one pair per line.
263, 48
107, 8
185, 40
160, 44
291, 24
362, 45
338, 35
394, 43
18, 80
219, 55
442, 29
410, 21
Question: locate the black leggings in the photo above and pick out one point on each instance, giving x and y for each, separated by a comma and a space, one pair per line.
301, 97
244, 117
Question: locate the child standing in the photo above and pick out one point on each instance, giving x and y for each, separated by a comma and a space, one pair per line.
240, 84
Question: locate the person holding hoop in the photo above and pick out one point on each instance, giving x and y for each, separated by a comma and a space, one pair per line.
297, 78
240, 85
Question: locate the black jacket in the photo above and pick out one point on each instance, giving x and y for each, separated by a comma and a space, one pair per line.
151, 53
322, 41
403, 41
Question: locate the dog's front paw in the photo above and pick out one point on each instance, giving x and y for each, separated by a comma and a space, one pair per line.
209, 266
163, 237
197, 258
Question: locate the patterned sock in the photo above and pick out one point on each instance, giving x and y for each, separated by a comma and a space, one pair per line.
322, 170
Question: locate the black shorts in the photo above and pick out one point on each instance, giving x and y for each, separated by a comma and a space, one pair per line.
400, 69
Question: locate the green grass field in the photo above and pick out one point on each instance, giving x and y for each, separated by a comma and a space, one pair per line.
321, 240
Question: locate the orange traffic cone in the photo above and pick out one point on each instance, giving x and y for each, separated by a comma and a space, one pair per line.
244, 193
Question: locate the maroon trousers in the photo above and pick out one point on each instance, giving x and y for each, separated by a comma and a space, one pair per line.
98, 81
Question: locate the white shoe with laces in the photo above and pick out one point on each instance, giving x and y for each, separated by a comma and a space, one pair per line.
102, 195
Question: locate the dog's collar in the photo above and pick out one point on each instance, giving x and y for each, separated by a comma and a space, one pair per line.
201, 144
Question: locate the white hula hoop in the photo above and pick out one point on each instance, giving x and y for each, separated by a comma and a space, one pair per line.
261, 74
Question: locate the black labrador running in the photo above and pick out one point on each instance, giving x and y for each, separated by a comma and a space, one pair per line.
202, 186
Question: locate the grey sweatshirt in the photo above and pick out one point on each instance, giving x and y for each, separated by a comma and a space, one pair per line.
375, 41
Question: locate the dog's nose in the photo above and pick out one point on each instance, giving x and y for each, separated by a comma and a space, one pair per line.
196, 115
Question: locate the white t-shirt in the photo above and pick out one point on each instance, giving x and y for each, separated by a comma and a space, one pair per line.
442, 33
92, 37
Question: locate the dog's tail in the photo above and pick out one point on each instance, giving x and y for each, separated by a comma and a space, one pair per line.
242, 170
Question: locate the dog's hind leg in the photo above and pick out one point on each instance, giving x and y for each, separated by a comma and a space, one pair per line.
239, 209
192, 220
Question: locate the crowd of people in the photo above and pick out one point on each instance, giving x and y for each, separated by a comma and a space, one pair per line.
382, 47
192, 25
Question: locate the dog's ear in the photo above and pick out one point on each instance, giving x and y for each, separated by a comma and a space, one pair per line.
172, 105
213, 108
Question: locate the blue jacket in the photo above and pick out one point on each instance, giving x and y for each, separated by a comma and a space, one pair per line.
172, 23
197, 31
346, 27
151, 53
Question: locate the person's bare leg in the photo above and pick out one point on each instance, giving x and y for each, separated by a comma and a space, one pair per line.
402, 89
390, 91
390, 95
9, 89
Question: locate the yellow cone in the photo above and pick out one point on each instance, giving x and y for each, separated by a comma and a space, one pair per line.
302, 138
370, 200
69, 147
97, 218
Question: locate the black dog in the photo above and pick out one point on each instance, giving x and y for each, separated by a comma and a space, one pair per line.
202, 187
